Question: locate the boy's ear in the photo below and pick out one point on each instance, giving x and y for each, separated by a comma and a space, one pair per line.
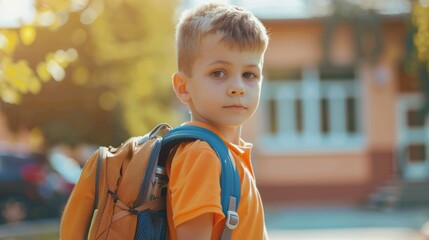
180, 85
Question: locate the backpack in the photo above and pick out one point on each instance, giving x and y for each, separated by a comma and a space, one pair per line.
113, 198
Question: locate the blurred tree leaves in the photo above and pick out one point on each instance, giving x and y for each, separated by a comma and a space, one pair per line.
419, 60
421, 37
17, 77
111, 61
134, 55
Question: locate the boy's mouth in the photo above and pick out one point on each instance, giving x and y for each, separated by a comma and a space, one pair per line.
236, 107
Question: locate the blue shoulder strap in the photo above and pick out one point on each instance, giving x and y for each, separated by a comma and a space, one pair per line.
229, 179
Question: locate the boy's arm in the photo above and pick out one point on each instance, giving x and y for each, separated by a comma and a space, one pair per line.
198, 228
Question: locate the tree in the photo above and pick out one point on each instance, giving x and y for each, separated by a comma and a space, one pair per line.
116, 66
420, 16
419, 54
142, 56
17, 77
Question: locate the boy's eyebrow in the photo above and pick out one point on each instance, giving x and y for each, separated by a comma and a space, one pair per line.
219, 62
229, 63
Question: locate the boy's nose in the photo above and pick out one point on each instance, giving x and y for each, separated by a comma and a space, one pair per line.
236, 91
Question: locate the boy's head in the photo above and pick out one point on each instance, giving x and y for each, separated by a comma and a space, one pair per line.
238, 28
220, 55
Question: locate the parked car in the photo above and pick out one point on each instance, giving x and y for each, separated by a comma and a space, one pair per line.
29, 188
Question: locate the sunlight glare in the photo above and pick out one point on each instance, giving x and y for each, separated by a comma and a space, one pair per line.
15, 13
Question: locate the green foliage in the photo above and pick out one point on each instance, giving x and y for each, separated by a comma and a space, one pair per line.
17, 77
134, 55
420, 18
95, 71
421, 37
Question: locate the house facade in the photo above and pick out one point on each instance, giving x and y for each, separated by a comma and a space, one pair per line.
336, 132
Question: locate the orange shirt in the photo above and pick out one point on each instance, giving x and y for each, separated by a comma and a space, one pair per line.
194, 189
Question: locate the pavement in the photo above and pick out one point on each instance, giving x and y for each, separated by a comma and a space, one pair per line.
45, 229
346, 223
348, 234
300, 223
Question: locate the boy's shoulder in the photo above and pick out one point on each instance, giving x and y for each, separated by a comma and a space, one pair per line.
195, 145
194, 153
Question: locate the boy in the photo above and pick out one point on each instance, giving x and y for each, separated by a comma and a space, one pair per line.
220, 55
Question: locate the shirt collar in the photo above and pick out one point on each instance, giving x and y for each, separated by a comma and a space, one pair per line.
241, 150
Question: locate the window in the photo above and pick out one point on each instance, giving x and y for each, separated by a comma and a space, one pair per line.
414, 118
310, 109
416, 152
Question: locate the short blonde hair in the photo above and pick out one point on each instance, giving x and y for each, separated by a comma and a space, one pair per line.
238, 27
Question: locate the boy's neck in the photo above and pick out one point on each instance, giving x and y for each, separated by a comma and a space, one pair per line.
231, 134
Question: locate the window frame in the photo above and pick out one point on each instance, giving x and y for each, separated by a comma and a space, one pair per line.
311, 89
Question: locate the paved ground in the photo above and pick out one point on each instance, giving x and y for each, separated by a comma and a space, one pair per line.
32, 230
345, 223
296, 223
348, 234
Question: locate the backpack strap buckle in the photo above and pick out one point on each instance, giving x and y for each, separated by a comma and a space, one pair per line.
133, 211
232, 220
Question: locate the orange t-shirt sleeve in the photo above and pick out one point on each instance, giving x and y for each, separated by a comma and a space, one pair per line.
195, 183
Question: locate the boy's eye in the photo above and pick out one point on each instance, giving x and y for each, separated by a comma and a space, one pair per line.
218, 74
249, 75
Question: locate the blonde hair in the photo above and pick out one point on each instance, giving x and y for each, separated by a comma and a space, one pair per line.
238, 27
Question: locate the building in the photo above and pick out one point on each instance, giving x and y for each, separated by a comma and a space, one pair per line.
338, 130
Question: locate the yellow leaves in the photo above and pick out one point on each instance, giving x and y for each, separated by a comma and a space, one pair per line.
134, 50
57, 62
42, 72
9, 96
34, 85
16, 78
19, 78
8, 40
18, 74
421, 38
28, 34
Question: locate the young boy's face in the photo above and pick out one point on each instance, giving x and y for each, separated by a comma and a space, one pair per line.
225, 86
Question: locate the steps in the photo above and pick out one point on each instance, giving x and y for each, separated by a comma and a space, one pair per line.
400, 193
